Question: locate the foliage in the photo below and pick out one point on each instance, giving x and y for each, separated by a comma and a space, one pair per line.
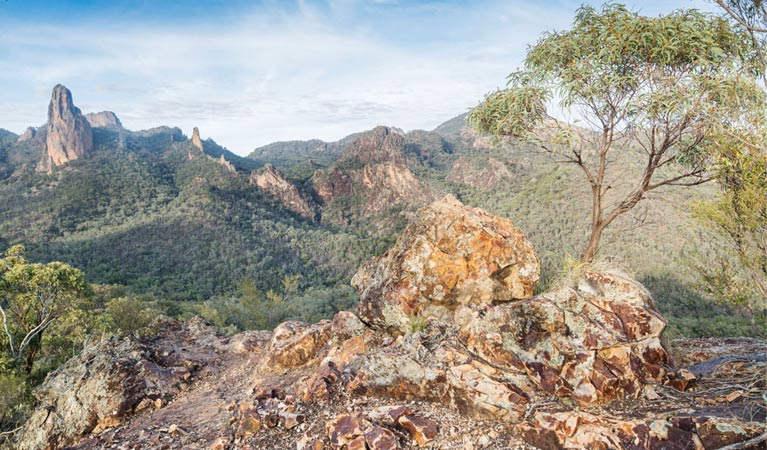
670, 85
33, 296
738, 217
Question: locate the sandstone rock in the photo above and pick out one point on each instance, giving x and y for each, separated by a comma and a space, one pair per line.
196, 141
226, 164
295, 343
422, 429
370, 177
104, 119
451, 255
346, 325
572, 344
28, 134
68, 134
93, 391
351, 431
381, 144
272, 181
573, 429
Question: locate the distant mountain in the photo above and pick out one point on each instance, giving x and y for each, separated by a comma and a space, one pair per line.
189, 220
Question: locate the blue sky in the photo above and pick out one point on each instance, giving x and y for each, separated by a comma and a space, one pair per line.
252, 72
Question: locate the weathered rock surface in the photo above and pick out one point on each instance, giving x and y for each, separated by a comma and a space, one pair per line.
68, 133
196, 141
107, 383
274, 182
371, 176
28, 134
451, 255
485, 365
104, 119
226, 164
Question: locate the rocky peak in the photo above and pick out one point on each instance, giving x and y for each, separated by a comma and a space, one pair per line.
381, 144
196, 141
104, 119
28, 134
369, 177
271, 180
69, 135
226, 164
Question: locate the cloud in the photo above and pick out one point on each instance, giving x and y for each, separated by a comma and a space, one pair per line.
274, 72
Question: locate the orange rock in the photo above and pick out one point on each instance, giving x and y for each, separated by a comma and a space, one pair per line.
422, 429
451, 255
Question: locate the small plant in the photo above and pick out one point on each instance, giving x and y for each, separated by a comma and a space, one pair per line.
417, 323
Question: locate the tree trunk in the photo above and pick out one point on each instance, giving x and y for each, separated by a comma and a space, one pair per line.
591, 250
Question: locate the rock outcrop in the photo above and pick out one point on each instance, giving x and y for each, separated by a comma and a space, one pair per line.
481, 364
271, 180
451, 255
196, 141
28, 134
104, 119
109, 382
68, 133
370, 177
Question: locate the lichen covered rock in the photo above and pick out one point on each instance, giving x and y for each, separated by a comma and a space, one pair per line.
451, 255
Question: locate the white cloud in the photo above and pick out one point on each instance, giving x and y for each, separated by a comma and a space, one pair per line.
272, 74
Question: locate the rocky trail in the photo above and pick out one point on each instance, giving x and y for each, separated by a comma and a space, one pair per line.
448, 349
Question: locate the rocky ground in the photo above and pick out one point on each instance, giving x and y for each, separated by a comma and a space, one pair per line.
447, 350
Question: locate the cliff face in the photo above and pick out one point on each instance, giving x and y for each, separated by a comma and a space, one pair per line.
104, 119
369, 177
449, 350
196, 141
271, 180
68, 133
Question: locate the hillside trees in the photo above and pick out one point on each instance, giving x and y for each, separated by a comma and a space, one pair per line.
669, 88
738, 217
32, 297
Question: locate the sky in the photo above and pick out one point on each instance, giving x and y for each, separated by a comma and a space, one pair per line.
248, 73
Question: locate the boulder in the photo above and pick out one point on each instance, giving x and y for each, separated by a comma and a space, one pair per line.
592, 346
451, 255
97, 390
68, 133
295, 343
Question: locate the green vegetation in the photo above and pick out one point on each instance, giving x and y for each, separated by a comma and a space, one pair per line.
674, 86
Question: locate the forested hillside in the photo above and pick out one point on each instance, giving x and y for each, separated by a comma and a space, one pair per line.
148, 210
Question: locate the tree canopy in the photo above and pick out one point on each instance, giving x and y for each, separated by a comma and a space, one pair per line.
32, 296
670, 88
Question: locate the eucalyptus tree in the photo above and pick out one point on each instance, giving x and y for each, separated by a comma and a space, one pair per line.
670, 89
32, 297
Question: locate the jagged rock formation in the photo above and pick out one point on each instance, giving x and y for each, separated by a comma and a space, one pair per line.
226, 164
196, 141
104, 119
450, 255
274, 182
68, 134
28, 134
370, 176
502, 370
